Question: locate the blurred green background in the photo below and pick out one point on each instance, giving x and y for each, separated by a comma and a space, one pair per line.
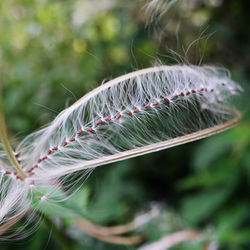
53, 52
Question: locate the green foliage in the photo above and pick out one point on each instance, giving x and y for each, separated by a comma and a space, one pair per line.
200, 206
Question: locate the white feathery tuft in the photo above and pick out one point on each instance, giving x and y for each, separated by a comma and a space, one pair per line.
138, 113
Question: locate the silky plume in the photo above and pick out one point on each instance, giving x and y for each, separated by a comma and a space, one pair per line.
135, 114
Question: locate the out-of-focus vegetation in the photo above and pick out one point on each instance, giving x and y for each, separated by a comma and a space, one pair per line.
53, 52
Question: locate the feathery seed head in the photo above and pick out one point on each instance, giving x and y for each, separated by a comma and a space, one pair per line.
141, 112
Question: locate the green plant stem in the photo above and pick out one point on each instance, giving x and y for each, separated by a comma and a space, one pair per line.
5, 142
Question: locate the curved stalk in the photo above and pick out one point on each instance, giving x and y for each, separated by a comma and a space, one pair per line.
6, 145
157, 146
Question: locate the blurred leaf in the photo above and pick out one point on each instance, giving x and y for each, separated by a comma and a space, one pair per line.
199, 207
219, 145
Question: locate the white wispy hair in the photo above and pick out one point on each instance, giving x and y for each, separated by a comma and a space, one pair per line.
135, 114
155, 9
